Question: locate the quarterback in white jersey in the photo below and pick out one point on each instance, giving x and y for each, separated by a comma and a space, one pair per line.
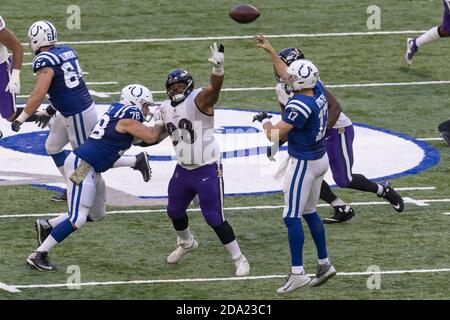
188, 118
339, 144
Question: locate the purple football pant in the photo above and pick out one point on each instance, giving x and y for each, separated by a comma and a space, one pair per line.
339, 144
7, 100
205, 181
446, 18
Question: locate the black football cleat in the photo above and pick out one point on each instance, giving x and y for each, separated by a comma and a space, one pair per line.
392, 196
59, 197
143, 166
340, 214
43, 229
39, 261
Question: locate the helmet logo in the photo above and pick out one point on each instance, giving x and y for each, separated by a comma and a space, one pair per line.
309, 70
136, 95
35, 27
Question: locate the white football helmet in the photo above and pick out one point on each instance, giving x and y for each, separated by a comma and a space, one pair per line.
137, 95
41, 34
301, 74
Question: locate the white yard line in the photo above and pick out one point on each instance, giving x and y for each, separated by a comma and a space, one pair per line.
415, 188
101, 83
156, 281
12, 289
421, 202
293, 35
351, 85
429, 139
446, 213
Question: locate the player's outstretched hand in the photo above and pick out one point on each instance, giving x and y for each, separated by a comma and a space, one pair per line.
263, 43
261, 116
217, 56
15, 126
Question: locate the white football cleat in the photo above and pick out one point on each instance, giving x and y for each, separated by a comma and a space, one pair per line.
182, 249
294, 281
242, 266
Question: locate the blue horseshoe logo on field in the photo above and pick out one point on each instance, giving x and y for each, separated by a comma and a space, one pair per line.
300, 71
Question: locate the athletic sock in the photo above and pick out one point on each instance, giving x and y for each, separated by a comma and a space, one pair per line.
125, 161
338, 202
315, 225
233, 249
55, 221
296, 238
326, 194
297, 269
58, 234
429, 36
361, 183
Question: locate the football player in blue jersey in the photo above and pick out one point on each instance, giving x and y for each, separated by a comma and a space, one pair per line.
113, 134
339, 143
60, 76
304, 125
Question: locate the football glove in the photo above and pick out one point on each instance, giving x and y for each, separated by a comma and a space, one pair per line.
15, 125
261, 116
217, 59
14, 83
43, 116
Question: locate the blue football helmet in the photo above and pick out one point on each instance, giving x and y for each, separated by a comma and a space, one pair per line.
177, 76
289, 55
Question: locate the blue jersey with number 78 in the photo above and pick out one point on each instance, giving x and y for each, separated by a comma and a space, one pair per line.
308, 115
68, 92
105, 145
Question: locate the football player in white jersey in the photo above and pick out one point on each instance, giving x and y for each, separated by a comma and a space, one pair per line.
188, 117
9, 72
339, 143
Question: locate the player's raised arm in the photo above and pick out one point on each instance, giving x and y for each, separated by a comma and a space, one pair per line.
44, 79
206, 99
279, 64
9, 40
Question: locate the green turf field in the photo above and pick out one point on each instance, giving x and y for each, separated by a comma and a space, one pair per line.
134, 246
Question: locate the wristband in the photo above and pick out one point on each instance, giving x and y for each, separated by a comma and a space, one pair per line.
218, 71
22, 117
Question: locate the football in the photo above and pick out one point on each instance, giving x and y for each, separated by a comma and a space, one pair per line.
244, 13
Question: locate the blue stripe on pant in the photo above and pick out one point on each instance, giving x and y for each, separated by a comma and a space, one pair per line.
291, 190
299, 188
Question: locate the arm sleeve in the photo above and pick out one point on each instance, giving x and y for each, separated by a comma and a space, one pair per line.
296, 113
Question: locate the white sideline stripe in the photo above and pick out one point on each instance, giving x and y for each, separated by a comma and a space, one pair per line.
407, 200
446, 213
106, 283
429, 139
350, 85
12, 289
293, 35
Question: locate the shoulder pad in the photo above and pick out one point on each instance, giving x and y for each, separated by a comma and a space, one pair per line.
45, 59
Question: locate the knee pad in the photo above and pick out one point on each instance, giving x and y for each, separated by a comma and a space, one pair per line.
181, 223
225, 233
